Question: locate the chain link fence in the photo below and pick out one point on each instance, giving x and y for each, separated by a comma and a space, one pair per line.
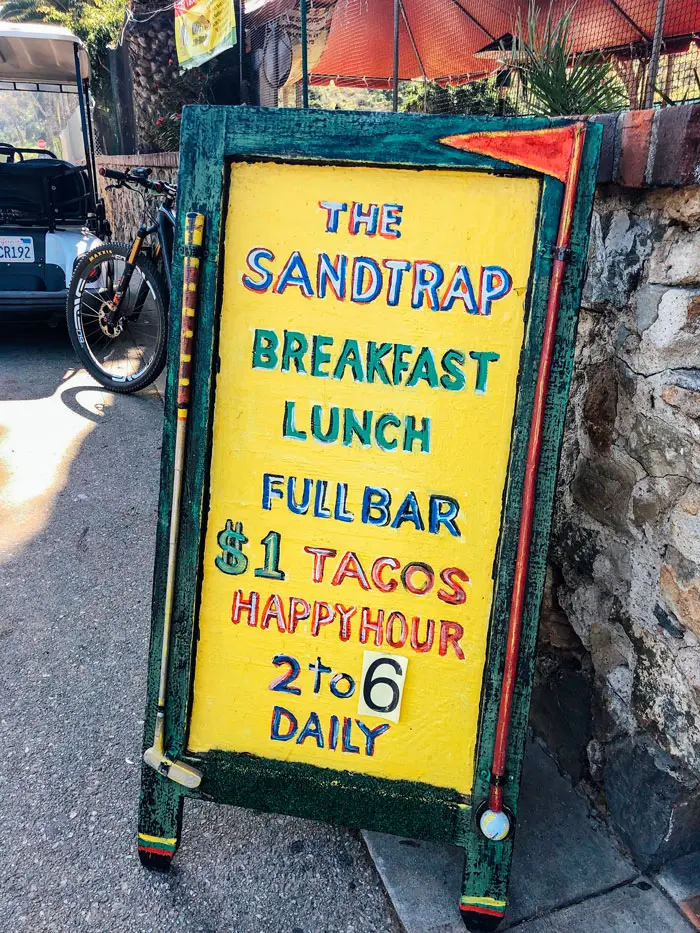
471, 56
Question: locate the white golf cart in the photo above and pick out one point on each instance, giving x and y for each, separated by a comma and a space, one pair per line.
50, 214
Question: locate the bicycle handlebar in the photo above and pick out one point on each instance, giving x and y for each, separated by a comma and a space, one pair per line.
111, 173
160, 187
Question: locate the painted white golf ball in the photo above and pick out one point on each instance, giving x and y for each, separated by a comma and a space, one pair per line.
494, 824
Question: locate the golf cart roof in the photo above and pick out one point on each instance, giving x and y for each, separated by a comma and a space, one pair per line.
32, 52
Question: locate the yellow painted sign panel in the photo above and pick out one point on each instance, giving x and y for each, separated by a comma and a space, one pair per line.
203, 29
372, 321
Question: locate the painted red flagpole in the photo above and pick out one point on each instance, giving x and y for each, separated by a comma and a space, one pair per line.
498, 764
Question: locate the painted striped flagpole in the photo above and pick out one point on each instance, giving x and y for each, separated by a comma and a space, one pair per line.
178, 771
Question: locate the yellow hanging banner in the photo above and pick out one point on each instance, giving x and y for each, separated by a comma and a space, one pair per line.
369, 351
203, 29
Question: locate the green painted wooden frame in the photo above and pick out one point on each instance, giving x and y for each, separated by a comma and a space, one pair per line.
212, 137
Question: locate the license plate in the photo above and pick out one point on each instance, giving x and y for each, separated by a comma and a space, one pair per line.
16, 249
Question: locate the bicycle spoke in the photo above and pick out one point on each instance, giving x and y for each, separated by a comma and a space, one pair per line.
93, 298
133, 343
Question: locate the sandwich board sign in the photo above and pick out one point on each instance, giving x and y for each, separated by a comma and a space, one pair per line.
376, 317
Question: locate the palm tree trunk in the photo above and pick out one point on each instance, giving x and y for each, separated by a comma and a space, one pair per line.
153, 65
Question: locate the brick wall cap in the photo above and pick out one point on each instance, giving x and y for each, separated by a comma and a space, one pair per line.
651, 148
641, 148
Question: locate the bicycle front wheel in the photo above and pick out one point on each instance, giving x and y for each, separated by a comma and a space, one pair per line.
128, 354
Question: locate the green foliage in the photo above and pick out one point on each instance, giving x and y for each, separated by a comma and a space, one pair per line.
165, 134
555, 79
27, 116
480, 98
36, 11
202, 85
331, 97
98, 23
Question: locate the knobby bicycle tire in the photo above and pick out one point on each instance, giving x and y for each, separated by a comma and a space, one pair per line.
87, 264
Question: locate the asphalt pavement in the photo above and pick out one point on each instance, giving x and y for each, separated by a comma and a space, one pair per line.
78, 490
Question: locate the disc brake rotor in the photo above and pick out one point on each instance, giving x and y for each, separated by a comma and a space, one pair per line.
109, 330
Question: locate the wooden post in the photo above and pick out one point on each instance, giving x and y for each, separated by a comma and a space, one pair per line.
655, 54
241, 50
122, 92
304, 56
395, 71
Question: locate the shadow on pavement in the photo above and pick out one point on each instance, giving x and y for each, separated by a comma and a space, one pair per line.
74, 631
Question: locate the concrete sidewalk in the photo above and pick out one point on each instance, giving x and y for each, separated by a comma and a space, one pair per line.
569, 874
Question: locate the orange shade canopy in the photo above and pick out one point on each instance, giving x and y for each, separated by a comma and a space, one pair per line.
440, 39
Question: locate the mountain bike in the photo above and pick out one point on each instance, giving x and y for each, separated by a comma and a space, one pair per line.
117, 308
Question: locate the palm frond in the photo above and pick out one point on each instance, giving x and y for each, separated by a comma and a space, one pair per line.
557, 80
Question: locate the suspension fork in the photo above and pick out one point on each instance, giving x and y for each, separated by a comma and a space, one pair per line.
129, 266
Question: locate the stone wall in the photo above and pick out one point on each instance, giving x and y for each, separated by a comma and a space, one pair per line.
124, 207
618, 686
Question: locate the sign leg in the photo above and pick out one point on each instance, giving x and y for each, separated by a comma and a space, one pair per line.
480, 914
160, 820
482, 904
